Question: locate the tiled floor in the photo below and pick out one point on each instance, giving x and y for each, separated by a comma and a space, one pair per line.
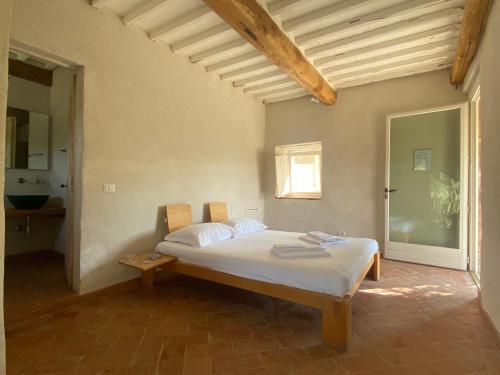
416, 320
33, 281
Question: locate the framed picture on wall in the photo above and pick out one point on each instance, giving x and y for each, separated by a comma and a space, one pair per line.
422, 160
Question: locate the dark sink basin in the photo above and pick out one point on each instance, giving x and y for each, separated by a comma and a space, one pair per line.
27, 201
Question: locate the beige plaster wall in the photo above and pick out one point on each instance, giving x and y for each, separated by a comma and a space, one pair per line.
353, 135
160, 128
5, 15
490, 167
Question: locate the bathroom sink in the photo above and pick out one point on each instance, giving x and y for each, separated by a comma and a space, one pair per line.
27, 201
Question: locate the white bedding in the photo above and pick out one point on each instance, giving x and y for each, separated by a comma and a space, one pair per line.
250, 257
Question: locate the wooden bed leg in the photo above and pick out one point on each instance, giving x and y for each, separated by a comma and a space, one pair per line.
148, 278
375, 270
337, 324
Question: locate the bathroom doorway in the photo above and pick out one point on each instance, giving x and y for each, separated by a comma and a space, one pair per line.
40, 197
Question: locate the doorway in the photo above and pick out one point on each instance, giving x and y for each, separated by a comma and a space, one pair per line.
41, 201
426, 187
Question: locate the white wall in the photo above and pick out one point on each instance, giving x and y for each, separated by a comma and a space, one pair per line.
160, 128
5, 16
353, 132
490, 166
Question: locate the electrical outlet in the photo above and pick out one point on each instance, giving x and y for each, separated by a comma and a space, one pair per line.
109, 188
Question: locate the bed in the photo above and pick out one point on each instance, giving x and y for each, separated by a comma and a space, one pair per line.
327, 283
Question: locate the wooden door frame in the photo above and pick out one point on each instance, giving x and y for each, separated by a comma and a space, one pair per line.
75, 148
432, 255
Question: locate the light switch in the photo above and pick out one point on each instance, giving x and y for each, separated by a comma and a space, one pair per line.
109, 188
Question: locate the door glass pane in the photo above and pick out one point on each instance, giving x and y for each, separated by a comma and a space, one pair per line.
425, 170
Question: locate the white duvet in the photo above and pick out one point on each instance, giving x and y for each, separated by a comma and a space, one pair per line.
250, 257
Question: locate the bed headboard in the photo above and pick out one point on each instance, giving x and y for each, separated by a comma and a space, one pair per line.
178, 216
218, 212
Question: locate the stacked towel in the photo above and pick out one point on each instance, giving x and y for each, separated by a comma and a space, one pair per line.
298, 251
323, 239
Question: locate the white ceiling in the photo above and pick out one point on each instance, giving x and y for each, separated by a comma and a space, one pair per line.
351, 42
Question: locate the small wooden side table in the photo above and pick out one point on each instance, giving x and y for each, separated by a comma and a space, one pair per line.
147, 266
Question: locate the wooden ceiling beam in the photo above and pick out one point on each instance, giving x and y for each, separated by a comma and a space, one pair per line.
254, 24
29, 72
473, 25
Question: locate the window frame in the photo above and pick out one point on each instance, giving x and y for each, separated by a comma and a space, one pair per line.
299, 195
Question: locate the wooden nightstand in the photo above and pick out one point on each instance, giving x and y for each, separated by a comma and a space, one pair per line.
147, 266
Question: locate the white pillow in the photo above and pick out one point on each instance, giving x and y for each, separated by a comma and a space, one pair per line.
246, 226
200, 235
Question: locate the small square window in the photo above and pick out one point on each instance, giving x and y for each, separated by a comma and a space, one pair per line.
298, 171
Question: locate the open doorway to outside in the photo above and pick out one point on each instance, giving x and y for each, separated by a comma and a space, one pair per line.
41, 205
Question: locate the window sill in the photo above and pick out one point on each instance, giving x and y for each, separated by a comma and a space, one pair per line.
307, 196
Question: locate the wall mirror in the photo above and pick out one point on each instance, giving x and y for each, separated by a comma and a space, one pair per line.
26, 139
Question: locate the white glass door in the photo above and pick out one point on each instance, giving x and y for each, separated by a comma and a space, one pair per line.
426, 187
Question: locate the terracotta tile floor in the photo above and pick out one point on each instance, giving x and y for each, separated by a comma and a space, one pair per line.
33, 281
416, 320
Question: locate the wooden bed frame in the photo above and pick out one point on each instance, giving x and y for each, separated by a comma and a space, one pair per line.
336, 310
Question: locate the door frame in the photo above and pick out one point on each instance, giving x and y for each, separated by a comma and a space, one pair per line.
433, 255
474, 192
75, 152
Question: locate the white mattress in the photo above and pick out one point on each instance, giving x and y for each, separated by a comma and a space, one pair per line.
250, 257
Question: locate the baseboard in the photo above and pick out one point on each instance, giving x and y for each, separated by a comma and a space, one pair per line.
43, 313
489, 322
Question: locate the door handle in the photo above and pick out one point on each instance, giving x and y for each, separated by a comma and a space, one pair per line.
387, 191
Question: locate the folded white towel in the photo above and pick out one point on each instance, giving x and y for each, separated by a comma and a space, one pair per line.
322, 236
301, 254
336, 241
309, 249
299, 246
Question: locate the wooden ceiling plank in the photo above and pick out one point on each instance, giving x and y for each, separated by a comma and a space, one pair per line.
408, 27
413, 40
248, 69
151, 7
278, 91
391, 75
393, 67
257, 78
184, 20
217, 50
380, 18
322, 14
474, 23
252, 55
281, 6
266, 85
253, 23
284, 97
199, 38
399, 55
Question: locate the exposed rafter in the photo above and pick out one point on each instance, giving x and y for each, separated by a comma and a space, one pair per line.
429, 22
351, 41
380, 18
186, 19
247, 57
474, 23
200, 38
144, 10
214, 51
254, 24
